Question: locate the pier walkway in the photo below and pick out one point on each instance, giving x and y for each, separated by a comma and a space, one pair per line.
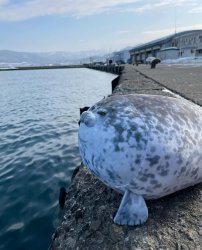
185, 80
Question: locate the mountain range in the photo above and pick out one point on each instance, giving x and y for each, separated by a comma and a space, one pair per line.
47, 58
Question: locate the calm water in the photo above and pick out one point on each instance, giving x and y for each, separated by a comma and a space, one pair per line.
39, 113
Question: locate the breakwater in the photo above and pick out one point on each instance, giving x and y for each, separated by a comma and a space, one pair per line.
174, 221
114, 69
42, 67
105, 68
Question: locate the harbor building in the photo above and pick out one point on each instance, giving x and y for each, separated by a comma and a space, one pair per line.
121, 56
182, 44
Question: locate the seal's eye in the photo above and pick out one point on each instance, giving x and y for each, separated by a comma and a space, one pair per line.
101, 113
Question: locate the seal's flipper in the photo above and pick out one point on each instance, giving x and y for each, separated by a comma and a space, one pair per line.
132, 211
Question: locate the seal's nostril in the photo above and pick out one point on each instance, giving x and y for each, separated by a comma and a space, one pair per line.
88, 118
79, 122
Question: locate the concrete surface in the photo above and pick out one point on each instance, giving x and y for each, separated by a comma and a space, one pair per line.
185, 80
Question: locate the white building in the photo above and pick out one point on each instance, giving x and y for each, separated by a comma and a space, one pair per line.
168, 53
121, 56
182, 44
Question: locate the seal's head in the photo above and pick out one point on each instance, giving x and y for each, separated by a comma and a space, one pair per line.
107, 116
112, 135
108, 112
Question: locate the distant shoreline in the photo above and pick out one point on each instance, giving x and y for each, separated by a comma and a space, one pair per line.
43, 67
113, 69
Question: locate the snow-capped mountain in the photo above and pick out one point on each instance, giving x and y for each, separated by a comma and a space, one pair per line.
46, 58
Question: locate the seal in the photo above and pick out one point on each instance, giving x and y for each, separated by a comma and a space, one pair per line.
144, 146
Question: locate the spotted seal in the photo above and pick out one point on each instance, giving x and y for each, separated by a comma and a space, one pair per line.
144, 146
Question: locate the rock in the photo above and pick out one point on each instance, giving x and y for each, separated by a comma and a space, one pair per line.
94, 226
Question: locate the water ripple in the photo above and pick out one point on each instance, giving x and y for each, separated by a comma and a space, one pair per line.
39, 113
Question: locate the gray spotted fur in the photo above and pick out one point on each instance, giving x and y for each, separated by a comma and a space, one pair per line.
148, 145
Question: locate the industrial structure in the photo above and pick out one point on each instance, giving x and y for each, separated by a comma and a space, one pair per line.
182, 44
121, 56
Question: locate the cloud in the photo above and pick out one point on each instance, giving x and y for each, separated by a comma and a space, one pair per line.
155, 34
123, 32
3, 2
22, 10
196, 10
163, 4
147, 36
76, 8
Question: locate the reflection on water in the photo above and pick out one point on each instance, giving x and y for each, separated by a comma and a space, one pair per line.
39, 113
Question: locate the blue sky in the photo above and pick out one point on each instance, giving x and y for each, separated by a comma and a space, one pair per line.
77, 25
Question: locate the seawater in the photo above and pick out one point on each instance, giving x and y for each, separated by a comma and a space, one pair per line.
39, 113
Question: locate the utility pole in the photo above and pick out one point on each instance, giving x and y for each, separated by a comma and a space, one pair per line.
175, 21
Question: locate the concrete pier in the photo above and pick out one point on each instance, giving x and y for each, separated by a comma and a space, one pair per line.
107, 68
186, 80
175, 221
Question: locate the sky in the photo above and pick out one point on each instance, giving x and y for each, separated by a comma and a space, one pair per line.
81, 25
